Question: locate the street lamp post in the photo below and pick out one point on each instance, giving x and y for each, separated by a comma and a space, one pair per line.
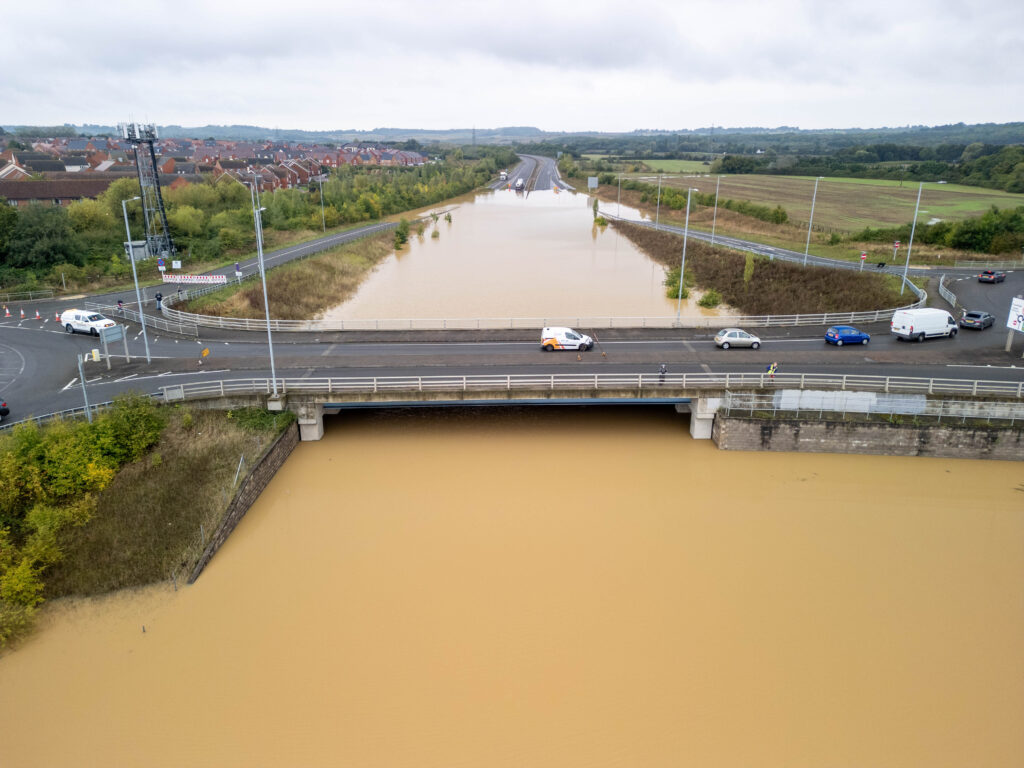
811, 219
657, 210
85, 395
135, 276
323, 219
258, 223
910, 245
618, 211
714, 218
682, 268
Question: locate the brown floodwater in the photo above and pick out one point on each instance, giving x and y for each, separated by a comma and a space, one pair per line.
560, 588
509, 255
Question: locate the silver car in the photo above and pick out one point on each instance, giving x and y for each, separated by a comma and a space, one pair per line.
736, 337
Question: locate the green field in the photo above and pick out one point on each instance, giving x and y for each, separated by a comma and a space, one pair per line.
849, 205
677, 166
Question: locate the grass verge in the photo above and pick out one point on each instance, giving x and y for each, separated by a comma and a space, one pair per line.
146, 525
301, 290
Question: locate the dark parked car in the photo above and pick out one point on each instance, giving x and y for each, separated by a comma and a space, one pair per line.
988, 276
976, 319
4, 410
845, 334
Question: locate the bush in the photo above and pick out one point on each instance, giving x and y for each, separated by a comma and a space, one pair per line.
710, 299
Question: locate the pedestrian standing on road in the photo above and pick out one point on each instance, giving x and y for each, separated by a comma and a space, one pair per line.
120, 307
771, 370
159, 298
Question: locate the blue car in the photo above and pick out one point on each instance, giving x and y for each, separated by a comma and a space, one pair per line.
845, 334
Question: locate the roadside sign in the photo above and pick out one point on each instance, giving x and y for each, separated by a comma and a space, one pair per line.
160, 265
591, 182
896, 244
175, 264
1016, 319
863, 256
196, 279
112, 333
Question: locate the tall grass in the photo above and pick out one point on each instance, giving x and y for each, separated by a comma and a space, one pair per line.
300, 290
146, 525
755, 285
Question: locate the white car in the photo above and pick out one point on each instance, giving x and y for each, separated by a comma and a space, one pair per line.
736, 337
564, 338
83, 321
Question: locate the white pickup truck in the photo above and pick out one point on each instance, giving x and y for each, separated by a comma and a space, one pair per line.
84, 321
519, 185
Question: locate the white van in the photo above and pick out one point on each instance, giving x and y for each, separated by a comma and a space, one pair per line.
564, 338
84, 322
919, 324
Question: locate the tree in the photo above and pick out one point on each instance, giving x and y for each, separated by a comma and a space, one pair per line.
8, 218
43, 236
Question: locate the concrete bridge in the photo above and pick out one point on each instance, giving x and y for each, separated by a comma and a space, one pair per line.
698, 394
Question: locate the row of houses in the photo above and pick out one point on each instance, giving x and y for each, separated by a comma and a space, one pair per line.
60, 171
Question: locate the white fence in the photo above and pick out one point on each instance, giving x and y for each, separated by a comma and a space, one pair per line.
159, 323
533, 323
575, 382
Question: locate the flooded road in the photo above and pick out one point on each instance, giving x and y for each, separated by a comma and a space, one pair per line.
548, 587
506, 254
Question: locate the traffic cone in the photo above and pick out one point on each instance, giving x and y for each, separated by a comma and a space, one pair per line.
38, 316
7, 312
23, 314
57, 316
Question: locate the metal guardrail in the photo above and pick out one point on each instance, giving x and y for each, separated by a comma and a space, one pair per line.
67, 413
947, 294
980, 265
533, 323
111, 311
586, 381
26, 295
747, 403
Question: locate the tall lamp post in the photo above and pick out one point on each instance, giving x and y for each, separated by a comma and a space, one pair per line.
910, 245
618, 211
657, 210
258, 223
682, 268
810, 221
714, 218
135, 276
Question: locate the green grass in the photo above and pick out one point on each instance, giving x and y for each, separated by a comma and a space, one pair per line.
677, 166
849, 205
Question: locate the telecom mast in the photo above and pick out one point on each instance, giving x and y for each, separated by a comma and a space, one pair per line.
158, 238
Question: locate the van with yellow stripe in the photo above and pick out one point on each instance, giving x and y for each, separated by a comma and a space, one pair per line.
564, 338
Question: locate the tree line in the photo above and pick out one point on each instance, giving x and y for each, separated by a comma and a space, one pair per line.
42, 245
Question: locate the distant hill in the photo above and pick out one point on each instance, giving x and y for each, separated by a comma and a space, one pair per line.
711, 138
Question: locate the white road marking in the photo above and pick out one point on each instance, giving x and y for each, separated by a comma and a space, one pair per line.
125, 378
69, 384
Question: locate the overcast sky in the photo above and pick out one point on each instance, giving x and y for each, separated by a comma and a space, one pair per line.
558, 65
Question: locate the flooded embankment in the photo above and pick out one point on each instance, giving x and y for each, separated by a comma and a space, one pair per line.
549, 587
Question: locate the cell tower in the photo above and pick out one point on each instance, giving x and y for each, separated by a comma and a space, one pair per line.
158, 238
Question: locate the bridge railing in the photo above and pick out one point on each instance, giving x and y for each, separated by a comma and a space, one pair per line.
585, 323
26, 296
751, 403
126, 313
595, 381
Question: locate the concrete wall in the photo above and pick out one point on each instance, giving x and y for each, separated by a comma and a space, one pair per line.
734, 433
249, 490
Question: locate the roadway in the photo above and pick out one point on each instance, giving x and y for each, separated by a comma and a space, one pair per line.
38, 365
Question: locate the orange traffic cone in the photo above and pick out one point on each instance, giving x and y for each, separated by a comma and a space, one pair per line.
23, 314
7, 312
57, 315
38, 316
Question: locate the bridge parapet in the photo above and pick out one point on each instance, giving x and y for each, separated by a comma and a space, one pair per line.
309, 398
